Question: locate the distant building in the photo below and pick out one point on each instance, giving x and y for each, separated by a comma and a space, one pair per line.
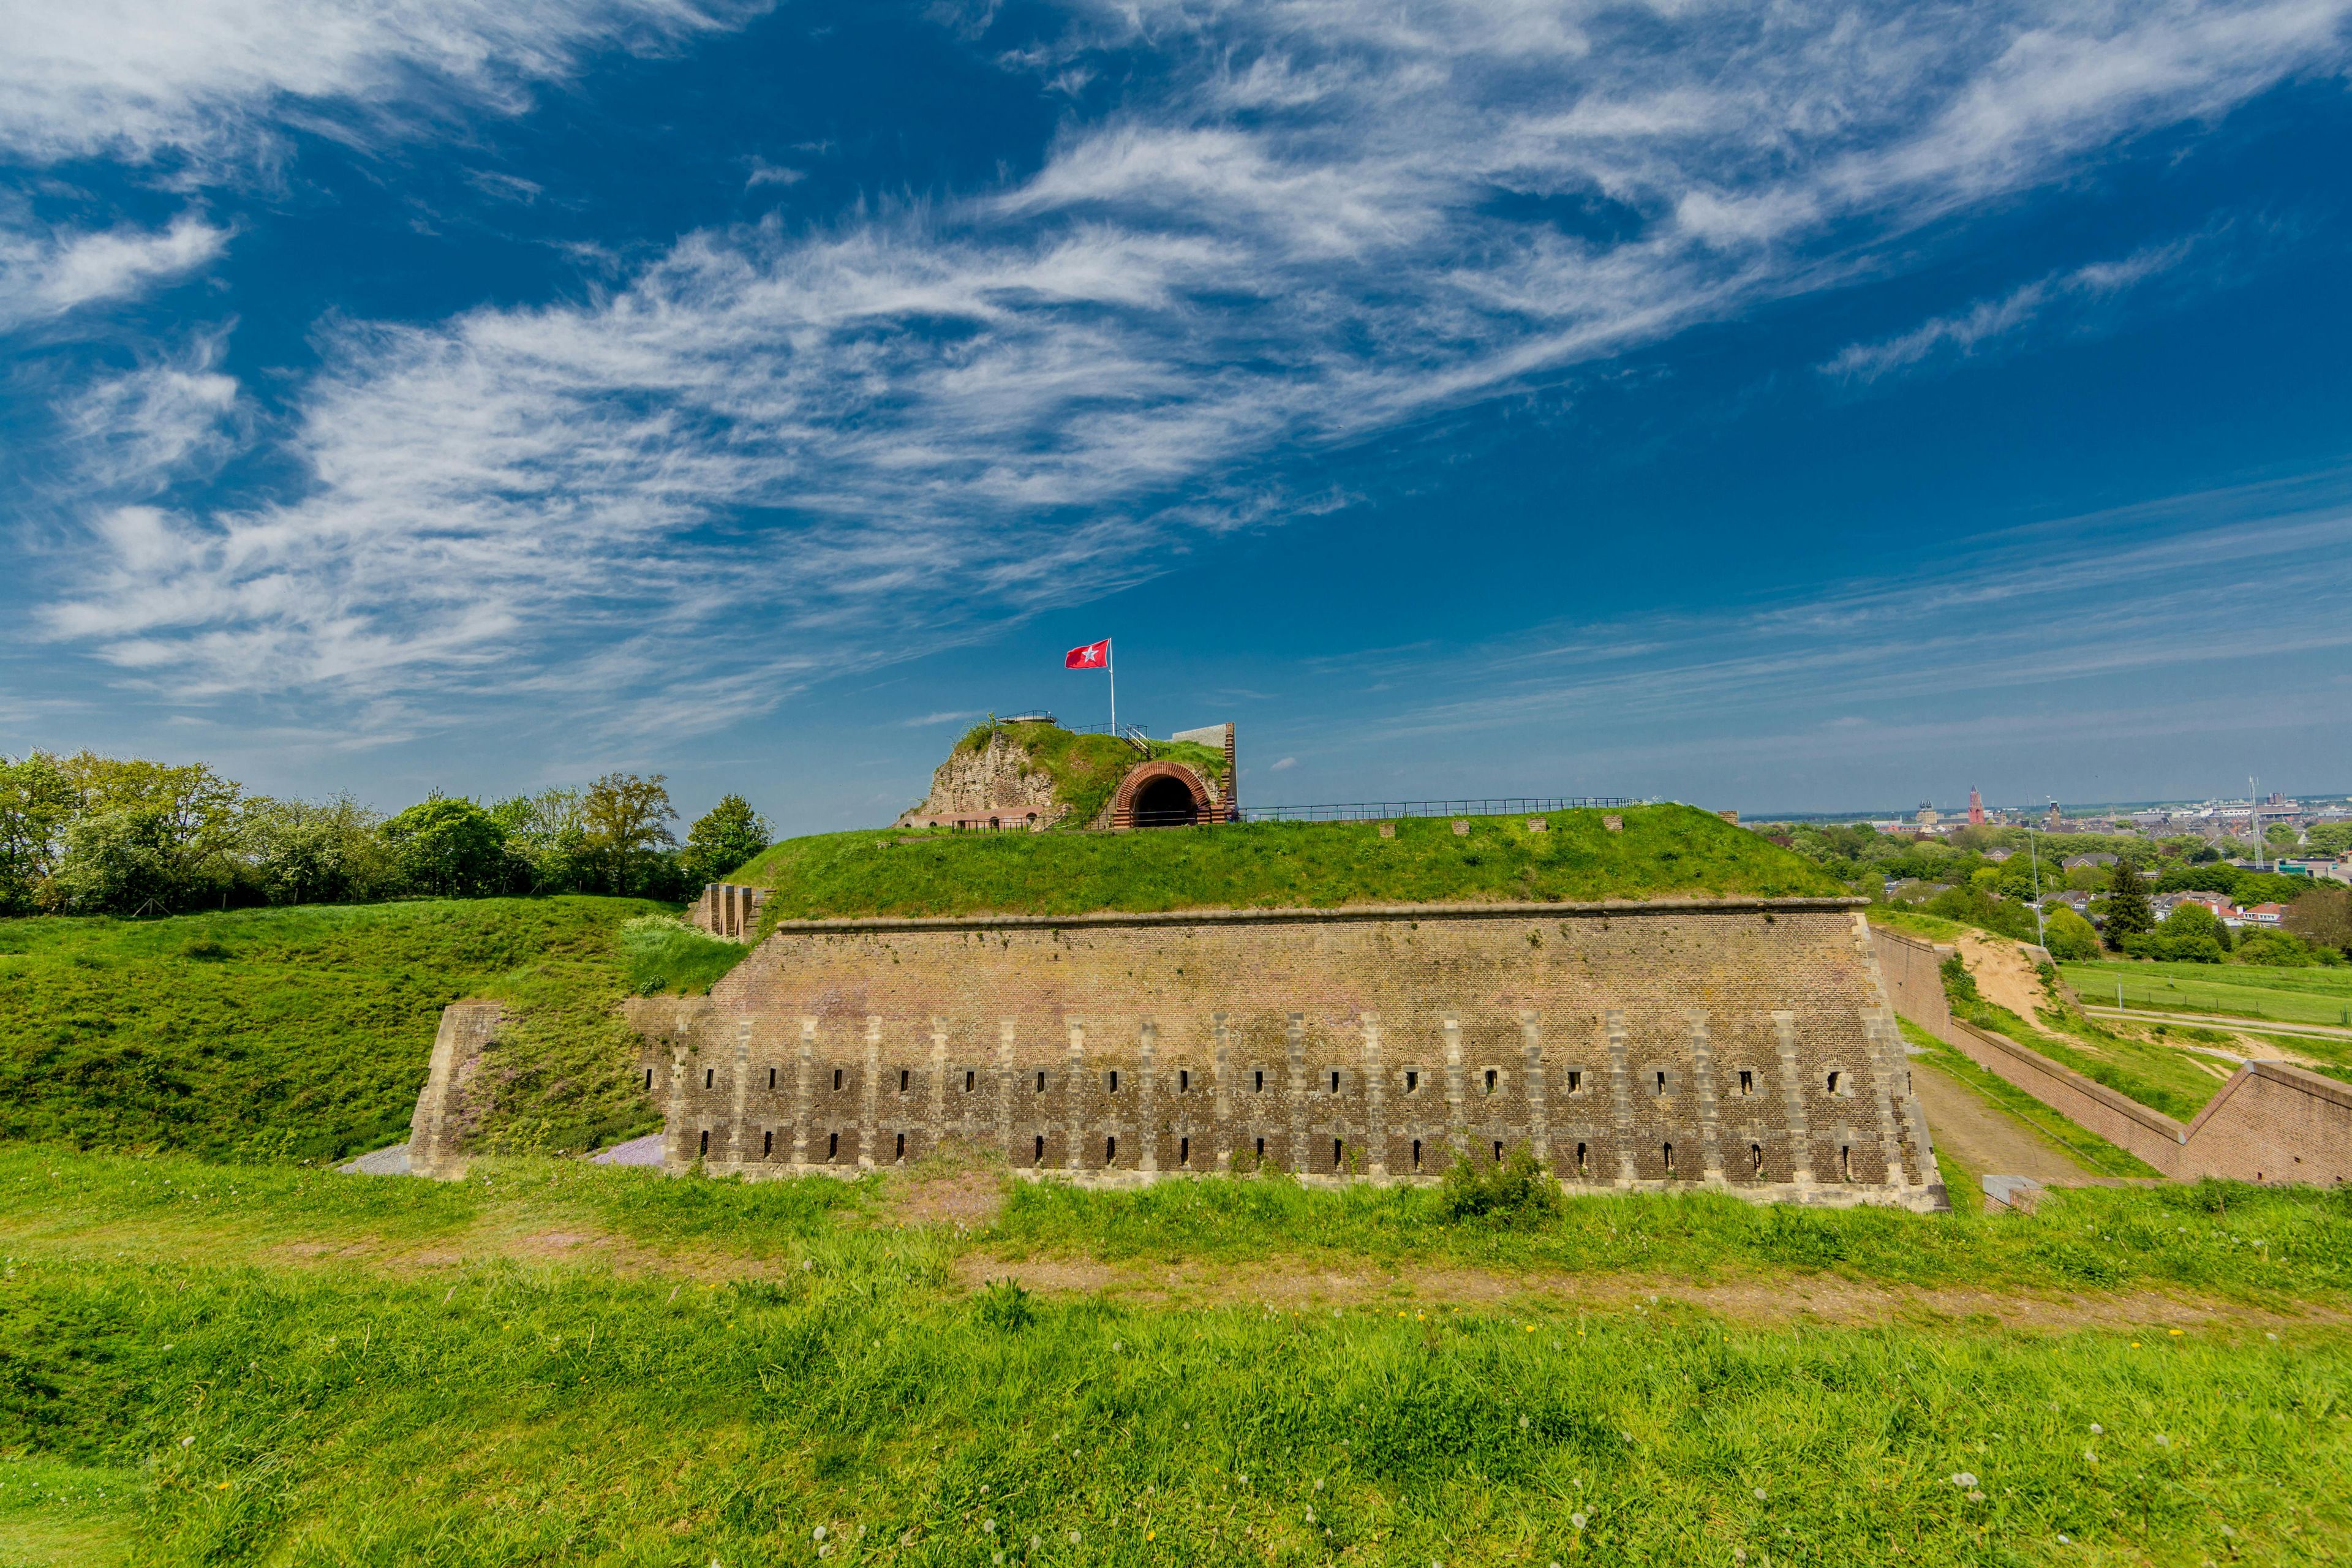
1975, 807
2079, 862
1927, 815
2259, 916
2325, 869
1998, 856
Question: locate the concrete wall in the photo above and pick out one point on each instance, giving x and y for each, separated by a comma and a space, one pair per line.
445, 1113
727, 908
1661, 1047
2271, 1123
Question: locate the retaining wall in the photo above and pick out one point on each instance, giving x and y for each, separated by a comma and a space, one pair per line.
1745, 1045
2272, 1121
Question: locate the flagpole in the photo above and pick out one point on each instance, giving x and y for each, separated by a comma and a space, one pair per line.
1110, 668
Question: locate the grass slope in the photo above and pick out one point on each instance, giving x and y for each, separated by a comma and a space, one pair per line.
1664, 851
806, 1382
305, 1033
2094, 1153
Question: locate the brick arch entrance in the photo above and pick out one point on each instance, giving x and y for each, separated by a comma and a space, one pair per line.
1161, 794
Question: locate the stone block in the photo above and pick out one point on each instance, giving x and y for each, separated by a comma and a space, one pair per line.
1461, 828
1613, 824
1538, 825
1387, 830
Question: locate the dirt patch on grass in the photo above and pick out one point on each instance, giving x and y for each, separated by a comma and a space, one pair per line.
2005, 975
1292, 1285
968, 1200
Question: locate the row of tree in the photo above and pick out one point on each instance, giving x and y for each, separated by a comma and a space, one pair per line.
92, 835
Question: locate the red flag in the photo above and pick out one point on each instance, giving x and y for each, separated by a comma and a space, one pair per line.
1093, 656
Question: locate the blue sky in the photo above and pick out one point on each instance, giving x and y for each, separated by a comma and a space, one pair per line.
1802, 408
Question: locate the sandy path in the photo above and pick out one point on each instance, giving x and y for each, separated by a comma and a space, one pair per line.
1985, 1137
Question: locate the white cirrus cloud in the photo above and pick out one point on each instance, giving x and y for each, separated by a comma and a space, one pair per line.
46, 272
129, 79
1305, 223
1965, 333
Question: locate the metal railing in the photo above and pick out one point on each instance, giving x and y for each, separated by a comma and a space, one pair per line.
1380, 810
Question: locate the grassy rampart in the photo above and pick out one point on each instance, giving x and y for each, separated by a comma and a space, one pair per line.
1663, 851
304, 1033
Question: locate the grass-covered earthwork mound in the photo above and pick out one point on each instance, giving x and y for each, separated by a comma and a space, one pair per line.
1664, 851
305, 1033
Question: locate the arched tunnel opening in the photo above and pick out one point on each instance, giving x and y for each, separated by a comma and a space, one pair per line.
1166, 803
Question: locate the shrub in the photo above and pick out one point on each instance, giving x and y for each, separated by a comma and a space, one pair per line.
1515, 1190
2069, 936
2278, 949
2190, 934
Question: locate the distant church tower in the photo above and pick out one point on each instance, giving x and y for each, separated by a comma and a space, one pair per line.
1975, 807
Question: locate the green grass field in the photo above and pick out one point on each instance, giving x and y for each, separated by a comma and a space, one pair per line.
305, 1033
1664, 850
237, 1365
2253, 992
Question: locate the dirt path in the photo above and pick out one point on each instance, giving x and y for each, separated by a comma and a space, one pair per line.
1279, 1285
1985, 1137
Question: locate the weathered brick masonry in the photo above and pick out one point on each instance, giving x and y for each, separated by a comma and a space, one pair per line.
1741, 1044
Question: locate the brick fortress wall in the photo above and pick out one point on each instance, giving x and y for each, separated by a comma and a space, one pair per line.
1744, 1044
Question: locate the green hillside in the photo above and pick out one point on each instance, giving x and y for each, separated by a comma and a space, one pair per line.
305, 1033
1664, 851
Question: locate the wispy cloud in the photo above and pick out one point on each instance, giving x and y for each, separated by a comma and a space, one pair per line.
1302, 224
1990, 321
213, 79
46, 272
2161, 596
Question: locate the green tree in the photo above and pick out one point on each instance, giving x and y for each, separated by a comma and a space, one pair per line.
450, 847
723, 838
2069, 936
2128, 913
318, 852
2323, 917
625, 819
166, 835
2190, 934
123, 862
548, 832
35, 804
2330, 838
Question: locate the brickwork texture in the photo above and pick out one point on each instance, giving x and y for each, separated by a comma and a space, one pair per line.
1746, 1046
